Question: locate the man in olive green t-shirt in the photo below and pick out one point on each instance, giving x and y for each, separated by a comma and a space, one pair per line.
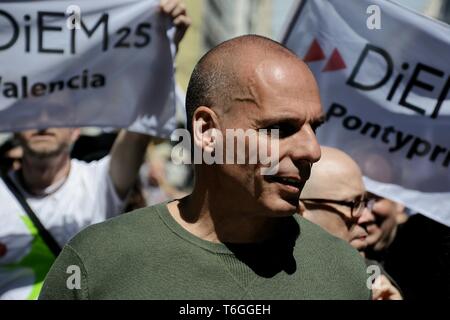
237, 236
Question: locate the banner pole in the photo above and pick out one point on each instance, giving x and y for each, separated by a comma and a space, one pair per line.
289, 25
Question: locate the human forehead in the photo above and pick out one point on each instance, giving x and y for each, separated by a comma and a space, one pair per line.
288, 76
383, 206
253, 113
293, 93
352, 182
292, 114
344, 186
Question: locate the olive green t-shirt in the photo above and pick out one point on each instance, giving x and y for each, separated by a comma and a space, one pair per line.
146, 254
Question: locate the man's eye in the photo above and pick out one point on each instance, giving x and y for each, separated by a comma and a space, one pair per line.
284, 129
274, 127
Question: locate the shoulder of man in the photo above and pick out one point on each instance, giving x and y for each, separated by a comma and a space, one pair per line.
97, 250
323, 242
5, 193
126, 229
313, 232
338, 259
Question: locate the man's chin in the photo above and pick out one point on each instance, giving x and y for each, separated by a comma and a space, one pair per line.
372, 240
44, 151
358, 244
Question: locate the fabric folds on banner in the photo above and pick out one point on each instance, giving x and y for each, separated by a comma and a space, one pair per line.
74, 63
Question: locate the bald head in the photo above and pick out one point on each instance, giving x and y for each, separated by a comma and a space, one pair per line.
242, 96
335, 176
226, 71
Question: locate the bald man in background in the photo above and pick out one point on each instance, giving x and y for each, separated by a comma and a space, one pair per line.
335, 199
238, 235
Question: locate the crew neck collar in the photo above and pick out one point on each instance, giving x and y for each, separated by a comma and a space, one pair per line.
50, 190
172, 224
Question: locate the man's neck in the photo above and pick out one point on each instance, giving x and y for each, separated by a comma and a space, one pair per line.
40, 173
200, 215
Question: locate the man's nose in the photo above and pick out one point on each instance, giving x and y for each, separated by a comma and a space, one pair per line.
306, 146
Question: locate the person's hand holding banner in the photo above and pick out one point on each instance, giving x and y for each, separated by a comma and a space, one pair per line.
177, 10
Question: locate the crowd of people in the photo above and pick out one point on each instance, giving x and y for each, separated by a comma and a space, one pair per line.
220, 231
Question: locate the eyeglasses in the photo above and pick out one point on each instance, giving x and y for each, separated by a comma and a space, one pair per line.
357, 205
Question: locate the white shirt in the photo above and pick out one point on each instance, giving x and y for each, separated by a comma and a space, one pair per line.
86, 197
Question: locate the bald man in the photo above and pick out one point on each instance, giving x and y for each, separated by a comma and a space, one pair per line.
237, 236
335, 199
334, 187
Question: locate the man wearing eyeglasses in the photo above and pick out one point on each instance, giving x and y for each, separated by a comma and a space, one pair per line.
335, 198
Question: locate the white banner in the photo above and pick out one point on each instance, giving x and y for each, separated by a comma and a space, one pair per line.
384, 77
105, 63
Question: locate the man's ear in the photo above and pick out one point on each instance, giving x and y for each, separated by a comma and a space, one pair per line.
205, 121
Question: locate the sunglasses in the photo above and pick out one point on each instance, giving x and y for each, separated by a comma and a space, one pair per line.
356, 206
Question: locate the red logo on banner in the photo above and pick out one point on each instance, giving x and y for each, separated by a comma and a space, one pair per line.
335, 62
315, 52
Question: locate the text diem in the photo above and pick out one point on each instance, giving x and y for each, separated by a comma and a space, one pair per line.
418, 79
40, 34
